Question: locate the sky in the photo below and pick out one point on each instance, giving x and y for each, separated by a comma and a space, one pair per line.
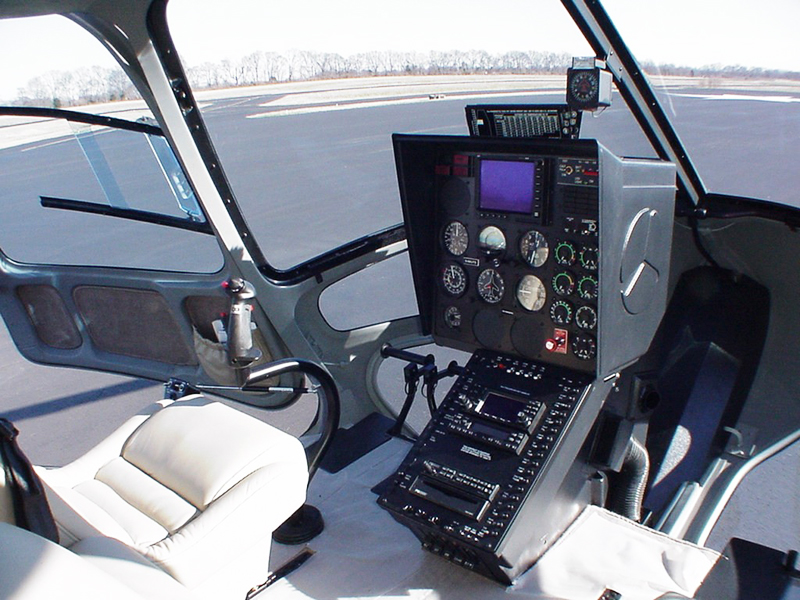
685, 32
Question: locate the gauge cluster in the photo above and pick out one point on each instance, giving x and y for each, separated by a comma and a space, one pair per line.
554, 251
517, 254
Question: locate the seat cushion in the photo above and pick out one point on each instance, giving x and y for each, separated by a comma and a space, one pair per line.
128, 566
197, 488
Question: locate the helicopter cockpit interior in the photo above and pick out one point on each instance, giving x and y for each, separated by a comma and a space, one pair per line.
608, 316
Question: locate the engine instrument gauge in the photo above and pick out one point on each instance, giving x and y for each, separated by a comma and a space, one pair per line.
491, 286
531, 293
561, 312
588, 258
454, 279
534, 248
563, 283
565, 253
587, 288
586, 318
452, 316
584, 346
492, 241
456, 238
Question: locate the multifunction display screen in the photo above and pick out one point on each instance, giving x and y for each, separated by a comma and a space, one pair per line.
501, 407
507, 186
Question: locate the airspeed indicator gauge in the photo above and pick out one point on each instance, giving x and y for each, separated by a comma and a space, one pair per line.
456, 238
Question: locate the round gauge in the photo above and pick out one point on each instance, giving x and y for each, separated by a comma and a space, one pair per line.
583, 86
491, 286
586, 318
492, 240
563, 283
565, 253
452, 316
456, 238
589, 258
584, 346
534, 249
454, 279
531, 293
587, 288
561, 312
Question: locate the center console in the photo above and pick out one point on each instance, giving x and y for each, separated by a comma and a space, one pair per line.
548, 260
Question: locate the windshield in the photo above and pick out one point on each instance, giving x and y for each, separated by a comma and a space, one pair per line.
301, 103
729, 80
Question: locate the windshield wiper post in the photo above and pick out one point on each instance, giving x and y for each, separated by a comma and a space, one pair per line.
598, 29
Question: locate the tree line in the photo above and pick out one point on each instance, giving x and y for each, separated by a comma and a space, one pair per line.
90, 85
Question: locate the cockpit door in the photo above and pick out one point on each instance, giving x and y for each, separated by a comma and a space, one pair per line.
107, 260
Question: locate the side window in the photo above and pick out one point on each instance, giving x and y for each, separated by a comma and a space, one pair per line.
96, 194
345, 305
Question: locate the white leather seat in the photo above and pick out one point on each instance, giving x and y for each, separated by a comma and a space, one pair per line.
195, 486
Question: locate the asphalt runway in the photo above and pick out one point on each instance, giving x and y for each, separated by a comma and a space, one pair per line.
293, 180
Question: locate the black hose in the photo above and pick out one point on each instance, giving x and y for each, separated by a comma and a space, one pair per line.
631, 481
328, 410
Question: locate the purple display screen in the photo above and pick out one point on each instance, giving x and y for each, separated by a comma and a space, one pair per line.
507, 186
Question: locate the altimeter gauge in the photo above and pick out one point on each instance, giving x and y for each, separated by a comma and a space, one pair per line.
456, 238
531, 293
491, 286
534, 248
454, 279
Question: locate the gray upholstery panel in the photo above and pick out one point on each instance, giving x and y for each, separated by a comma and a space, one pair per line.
131, 322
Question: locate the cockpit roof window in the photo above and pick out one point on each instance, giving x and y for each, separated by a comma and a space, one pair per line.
728, 78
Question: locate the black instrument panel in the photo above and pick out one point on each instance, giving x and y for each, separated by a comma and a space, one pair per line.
516, 263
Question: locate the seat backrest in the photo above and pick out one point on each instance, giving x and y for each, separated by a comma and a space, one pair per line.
22, 488
177, 448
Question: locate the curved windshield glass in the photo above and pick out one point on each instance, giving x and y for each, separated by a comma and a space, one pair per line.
301, 103
729, 80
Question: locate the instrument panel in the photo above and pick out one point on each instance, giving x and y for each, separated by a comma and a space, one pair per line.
517, 255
